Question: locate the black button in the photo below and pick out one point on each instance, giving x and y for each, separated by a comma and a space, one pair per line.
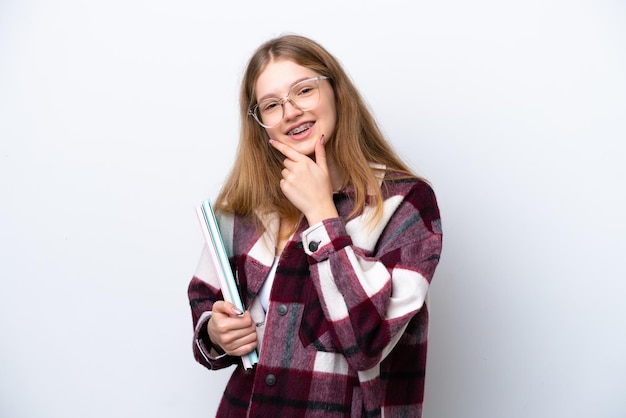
299, 245
270, 380
282, 309
314, 245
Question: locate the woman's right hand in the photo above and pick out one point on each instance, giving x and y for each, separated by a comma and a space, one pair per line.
230, 330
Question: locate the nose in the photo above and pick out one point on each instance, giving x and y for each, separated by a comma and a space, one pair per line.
290, 109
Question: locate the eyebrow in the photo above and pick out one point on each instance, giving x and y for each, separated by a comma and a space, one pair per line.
273, 96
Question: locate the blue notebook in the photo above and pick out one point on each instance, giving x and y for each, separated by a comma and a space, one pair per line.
217, 250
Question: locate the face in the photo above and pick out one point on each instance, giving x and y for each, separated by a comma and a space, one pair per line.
299, 129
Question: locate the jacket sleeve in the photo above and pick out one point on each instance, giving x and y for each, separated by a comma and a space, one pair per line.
369, 292
203, 291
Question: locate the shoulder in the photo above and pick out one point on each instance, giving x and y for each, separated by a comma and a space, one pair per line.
417, 195
397, 184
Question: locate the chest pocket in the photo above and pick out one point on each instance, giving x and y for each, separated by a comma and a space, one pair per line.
315, 329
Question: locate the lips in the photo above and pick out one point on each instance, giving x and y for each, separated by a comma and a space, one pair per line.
301, 128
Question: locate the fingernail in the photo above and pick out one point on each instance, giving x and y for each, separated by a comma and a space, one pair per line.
322, 139
237, 311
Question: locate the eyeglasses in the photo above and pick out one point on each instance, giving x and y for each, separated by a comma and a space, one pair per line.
304, 95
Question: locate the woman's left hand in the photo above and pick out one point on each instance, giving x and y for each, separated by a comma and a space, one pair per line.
306, 182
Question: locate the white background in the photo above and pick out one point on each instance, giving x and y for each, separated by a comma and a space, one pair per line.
117, 117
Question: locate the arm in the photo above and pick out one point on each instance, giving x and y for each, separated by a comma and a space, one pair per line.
203, 292
368, 297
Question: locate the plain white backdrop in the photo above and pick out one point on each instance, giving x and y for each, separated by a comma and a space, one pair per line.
117, 117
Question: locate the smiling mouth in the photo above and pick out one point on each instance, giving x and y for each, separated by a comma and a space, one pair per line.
300, 128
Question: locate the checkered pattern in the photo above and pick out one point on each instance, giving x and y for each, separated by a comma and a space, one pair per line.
346, 330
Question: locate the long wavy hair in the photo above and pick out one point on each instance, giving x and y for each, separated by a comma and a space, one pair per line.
254, 181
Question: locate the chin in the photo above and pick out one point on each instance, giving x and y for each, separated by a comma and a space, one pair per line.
306, 149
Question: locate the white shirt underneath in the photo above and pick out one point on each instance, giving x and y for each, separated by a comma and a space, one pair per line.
266, 289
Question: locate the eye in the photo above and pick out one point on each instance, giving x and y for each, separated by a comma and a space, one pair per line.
306, 90
269, 105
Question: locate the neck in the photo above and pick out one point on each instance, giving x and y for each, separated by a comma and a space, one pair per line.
336, 177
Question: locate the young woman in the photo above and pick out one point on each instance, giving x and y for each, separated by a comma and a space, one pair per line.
333, 241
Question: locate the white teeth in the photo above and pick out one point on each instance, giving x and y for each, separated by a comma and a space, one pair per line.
300, 129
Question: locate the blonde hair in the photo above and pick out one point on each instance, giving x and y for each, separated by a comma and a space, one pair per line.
254, 182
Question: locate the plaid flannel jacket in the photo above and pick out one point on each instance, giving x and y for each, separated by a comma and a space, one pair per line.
345, 333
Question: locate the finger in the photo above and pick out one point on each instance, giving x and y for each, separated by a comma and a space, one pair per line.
243, 347
320, 154
233, 331
230, 325
242, 331
286, 150
235, 337
289, 164
226, 308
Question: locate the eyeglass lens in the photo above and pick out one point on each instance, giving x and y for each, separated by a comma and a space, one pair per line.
303, 95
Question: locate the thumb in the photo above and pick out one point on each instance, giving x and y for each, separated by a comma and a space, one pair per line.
320, 154
226, 308
234, 310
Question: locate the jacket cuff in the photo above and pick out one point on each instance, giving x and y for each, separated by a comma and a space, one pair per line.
204, 349
324, 238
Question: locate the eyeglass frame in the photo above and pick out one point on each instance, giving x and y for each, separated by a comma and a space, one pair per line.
282, 101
